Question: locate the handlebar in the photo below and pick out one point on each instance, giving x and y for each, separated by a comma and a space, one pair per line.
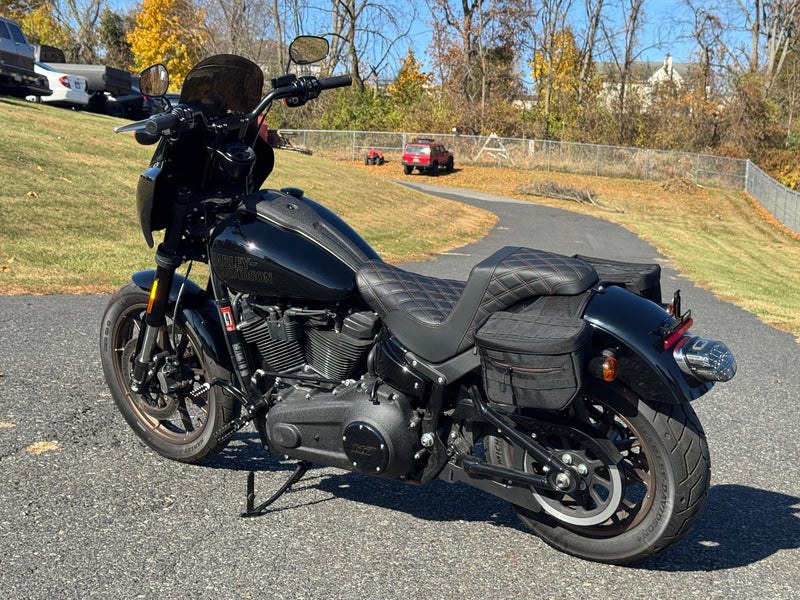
179, 118
296, 92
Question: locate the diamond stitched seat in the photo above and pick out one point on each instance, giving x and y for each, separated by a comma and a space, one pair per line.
436, 318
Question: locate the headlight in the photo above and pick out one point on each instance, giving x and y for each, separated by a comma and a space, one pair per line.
706, 360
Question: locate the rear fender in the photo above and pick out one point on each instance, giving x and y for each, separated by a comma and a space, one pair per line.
627, 322
197, 312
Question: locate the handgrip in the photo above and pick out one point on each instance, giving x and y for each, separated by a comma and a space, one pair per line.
162, 122
329, 83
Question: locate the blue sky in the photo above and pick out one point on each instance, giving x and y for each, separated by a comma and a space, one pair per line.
658, 29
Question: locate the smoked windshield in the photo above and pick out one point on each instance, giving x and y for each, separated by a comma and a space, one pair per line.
222, 84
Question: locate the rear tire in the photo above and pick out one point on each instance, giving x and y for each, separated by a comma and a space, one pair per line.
635, 509
407, 169
175, 425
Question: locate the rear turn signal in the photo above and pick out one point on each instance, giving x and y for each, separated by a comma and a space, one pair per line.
604, 367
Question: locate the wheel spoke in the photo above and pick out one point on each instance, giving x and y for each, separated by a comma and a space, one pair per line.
186, 418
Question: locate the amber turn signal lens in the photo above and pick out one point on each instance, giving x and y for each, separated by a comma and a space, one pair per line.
152, 296
610, 368
604, 367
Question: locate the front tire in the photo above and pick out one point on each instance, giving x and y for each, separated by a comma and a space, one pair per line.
176, 425
631, 510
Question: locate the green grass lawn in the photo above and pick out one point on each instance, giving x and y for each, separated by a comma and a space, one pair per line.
68, 222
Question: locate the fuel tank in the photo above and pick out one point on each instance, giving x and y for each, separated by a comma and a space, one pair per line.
281, 244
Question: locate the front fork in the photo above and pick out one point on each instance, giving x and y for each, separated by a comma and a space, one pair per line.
168, 259
147, 362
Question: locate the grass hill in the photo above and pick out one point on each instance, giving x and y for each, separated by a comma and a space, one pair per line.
68, 222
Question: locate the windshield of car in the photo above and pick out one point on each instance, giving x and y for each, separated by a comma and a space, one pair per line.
418, 150
222, 84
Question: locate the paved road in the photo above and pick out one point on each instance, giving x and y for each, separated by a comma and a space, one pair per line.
100, 516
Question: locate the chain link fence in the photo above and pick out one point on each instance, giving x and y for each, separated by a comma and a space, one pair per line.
570, 157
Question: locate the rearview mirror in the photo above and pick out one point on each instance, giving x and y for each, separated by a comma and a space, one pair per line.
308, 49
154, 80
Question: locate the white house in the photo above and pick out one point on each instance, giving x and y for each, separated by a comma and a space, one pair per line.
645, 77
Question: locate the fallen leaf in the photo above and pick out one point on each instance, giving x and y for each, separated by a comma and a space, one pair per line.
32, 195
65, 179
6, 424
40, 447
39, 168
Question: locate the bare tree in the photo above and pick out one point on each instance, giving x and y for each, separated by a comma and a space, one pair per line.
367, 35
545, 27
594, 15
624, 48
770, 25
82, 19
457, 43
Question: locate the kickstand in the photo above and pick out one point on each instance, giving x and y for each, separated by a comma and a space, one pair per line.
258, 511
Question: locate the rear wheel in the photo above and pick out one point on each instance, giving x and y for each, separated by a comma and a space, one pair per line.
407, 169
177, 424
633, 506
433, 170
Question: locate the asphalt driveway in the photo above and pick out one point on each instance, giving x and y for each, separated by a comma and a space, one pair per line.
87, 511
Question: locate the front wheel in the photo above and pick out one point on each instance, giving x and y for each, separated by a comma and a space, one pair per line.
639, 496
180, 424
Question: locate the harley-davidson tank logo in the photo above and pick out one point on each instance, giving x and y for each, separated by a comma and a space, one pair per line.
239, 268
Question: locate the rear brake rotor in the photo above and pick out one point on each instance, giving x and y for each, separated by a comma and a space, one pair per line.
601, 488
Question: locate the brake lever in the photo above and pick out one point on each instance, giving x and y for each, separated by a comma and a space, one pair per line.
135, 126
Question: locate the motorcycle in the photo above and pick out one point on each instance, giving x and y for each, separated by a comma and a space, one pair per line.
560, 384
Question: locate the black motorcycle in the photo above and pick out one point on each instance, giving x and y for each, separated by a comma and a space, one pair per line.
560, 384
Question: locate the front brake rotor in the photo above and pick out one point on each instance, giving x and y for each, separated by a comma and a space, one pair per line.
157, 405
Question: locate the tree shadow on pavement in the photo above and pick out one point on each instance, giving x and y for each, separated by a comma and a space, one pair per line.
740, 526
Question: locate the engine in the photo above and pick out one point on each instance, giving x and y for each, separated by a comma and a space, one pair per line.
358, 423
366, 427
285, 340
